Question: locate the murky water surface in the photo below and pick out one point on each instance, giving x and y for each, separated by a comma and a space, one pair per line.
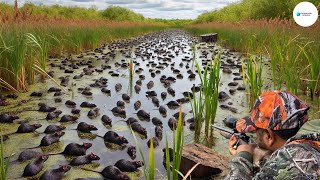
172, 50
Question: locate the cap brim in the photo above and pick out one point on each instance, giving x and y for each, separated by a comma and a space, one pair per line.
245, 125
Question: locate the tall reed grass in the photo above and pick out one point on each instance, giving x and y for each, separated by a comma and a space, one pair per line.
293, 51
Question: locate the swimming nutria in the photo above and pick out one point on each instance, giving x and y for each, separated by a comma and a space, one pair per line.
173, 122
70, 103
74, 149
87, 105
120, 103
45, 108
177, 114
53, 128
54, 89
86, 159
151, 93
75, 111
36, 94
158, 131
51, 138
113, 137
132, 152
150, 84
155, 142
54, 114
173, 103
35, 167
119, 111
27, 128
137, 88
139, 129
58, 100
170, 154
118, 87
111, 172
68, 118
139, 82
128, 166
187, 94
126, 97
86, 128
156, 121
164, 95
55, 174
162, 110
93, 113
171, 91
137, 105
105, 90
143, 115
155, 101
106, 119
28, 154
223, 96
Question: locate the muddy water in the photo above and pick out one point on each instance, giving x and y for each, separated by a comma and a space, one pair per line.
122, 50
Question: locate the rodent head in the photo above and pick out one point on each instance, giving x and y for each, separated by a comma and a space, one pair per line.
94, 157
87, 145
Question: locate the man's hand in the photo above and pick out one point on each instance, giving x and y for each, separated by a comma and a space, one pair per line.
236, 146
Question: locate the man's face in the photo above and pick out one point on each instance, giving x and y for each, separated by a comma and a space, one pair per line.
260, 140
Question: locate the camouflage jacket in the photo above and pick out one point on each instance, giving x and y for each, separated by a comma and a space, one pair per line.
298, 159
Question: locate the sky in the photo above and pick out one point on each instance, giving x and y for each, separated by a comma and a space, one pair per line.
165, 9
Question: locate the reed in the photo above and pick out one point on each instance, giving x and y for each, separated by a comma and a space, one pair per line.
252, 78
197, 105
3, 163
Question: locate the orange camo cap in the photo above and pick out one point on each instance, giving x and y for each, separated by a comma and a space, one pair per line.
275, 110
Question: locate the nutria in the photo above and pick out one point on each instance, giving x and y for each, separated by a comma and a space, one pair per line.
49, 139
74, 149
241, 88
105, 90
106, 119
156, 121
86, 159
155, 101
68, 118
164, 95
36, 94
87, 105
173, 104
27, 128
120, 103
93, 113
139, 82
158, 131
126, 97
177, 114
170, 154
28, 154
128, 166
45, 108
163, 111
137, 105
86, 128
137, 88
171, 91
54, 89
172, 123
192, 126
58, 100
118, 87
53, 128
54, 114
111, 172
222, 96
232, 91
155, 142
142, 77
143, 115
151, 93
132, 152
139, 129
232, 84
150, 84
35, 167
113, 137
191, 120
188, 94
75, 111
117, 110
55, 174
86, 93
70, 103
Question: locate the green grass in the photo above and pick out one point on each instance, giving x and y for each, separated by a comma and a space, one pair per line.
252, 77
3, 163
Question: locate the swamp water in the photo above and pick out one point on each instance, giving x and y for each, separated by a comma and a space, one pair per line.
165, 51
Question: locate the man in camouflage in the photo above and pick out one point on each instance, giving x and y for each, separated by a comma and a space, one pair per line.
276, 118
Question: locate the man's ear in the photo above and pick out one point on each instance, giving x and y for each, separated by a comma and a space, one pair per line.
269, 137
